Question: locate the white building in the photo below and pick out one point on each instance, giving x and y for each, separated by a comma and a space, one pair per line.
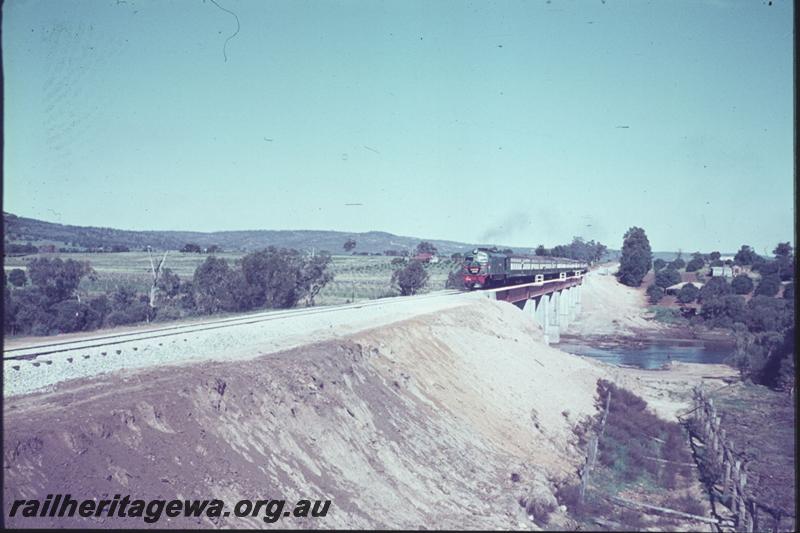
724, 271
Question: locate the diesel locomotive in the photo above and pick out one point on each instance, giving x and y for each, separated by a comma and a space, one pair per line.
488, 267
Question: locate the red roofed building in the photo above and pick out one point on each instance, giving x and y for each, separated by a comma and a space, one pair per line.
426, 257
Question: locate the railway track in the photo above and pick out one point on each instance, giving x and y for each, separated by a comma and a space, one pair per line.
43, 365
37, 350
37, 366
33, 351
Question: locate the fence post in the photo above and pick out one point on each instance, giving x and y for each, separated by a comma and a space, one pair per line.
740, 525
605, 415
727, 479
588, 467
593, 443
714, 426
735, 487
701, 404
741, 518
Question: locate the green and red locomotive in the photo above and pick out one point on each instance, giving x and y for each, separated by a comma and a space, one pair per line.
488, 267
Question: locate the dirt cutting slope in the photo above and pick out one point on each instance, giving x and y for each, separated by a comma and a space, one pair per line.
416, 424
610, 308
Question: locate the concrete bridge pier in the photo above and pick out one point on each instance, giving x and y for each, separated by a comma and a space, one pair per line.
564, 305
543, 308
530, 308
554, 318
568, 297
539, 309
553, 304
573, 303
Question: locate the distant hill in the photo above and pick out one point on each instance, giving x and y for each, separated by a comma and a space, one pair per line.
21, 230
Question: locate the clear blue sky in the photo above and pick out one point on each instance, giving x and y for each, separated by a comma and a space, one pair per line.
471, 121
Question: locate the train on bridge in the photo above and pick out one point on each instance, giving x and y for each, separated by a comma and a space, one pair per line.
488, 267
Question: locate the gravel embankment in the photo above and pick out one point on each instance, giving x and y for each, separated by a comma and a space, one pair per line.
444, 420
242, 341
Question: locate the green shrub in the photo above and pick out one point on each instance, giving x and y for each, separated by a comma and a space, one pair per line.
688, 293
769, 286
136, 311
654, 294
714, 288
667, 277
17, 277
569, 495
742, 284
411, 279
69, 316
455, 280
668, 315
540, 510
636, 258
724, 311
695, 264
168, 312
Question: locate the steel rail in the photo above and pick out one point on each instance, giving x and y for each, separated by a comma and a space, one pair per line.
36, 350
80, 344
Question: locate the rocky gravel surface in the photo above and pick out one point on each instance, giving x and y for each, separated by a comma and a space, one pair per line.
91, 355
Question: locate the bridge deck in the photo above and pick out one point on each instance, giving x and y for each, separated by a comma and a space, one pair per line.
526, 291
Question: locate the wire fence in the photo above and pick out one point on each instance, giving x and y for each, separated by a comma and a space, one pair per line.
726, 471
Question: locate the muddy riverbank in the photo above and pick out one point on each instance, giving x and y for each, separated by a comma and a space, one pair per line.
680, 336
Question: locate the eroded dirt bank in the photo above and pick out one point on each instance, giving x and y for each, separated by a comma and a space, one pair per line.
417, 424
616, 315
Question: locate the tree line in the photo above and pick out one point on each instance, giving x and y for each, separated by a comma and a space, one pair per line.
45, 299
423, 247
194, 248
578, 249
12, 248
760, 315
